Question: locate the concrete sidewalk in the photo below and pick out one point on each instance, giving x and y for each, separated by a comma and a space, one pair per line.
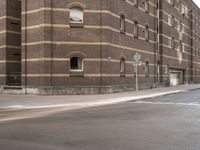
80, 101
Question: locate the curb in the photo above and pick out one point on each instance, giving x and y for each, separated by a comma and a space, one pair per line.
102, 102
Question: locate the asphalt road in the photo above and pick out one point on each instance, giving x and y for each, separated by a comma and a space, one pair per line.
164, 123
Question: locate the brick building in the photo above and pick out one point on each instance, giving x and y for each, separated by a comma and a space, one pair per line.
87, 46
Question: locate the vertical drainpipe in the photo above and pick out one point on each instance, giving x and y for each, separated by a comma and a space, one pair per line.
25, 46
51, 41
191, 42
192, 64
158, 40
101, 46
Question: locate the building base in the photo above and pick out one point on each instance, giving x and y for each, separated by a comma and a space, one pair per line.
75, 90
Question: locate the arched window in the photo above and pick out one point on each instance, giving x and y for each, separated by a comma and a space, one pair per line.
196, 73
158, 71
172, 2
147, 32
135, 29
122, 24
122, 67
76, 63
172, 42
180, 46
172, 21
146, 6
147, 69
179, 6
76, 15
180, 26
136, 3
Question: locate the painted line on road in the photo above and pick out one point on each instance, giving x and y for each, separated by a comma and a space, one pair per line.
166, 103
67, 107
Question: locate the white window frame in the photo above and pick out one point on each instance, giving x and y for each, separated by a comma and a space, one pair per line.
82, 64
122, 23
82, 15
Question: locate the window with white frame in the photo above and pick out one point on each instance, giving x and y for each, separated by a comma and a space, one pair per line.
169, 20
122, 24
186, 10
182, 10
135, 3
146, 6
170, 2
172, 43
76, 63
122, 66
76, 15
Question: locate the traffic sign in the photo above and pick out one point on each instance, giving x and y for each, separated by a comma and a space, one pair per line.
139, 63
137, 57
136, 63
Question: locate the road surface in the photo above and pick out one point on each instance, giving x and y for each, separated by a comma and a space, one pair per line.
169, 122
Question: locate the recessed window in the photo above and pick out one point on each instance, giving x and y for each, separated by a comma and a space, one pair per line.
136, 3
196, 73
146, 6
169, 20
173, 21
146, 33
170, 2
180, 26
182, 9
122, 66
172, 44
122, 24
147, 69
76, 15
76, 64
180, 46
135, 29
15, 23
158, 71
16, 54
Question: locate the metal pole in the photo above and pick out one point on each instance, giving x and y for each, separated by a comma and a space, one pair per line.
136, 71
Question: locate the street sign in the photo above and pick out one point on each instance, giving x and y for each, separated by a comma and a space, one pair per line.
137, 62
137, 57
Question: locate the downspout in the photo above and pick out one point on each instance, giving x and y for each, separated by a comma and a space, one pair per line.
25, 47
101, 47
51, 38
158, 42
191, 42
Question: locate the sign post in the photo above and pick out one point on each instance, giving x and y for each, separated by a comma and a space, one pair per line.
136, 62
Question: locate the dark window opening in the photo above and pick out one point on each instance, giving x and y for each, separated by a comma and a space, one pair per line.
76, 63
15, 23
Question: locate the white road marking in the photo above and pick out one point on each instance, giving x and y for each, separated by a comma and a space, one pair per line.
166, 103
73, 106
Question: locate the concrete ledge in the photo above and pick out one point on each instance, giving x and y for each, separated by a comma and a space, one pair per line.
75, 90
